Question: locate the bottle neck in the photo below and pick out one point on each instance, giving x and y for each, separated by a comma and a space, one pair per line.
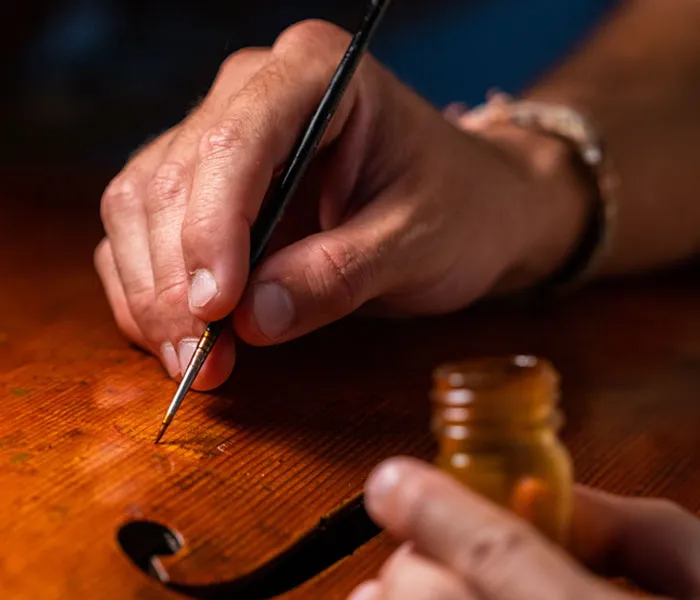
495, 399
471, 435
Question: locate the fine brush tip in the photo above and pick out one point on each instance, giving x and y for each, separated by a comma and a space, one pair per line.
163, 427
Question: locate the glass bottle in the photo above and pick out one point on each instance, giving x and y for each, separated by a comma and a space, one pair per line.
497, 423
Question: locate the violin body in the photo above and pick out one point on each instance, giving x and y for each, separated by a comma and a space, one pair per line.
255, 491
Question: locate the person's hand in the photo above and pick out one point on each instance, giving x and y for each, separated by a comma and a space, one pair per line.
413, 215
461, 547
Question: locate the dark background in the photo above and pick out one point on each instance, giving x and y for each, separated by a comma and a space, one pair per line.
86, 81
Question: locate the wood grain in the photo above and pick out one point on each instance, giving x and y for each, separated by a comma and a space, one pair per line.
252, 468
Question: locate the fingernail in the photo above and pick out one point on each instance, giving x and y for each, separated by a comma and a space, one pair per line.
186, 350
382, 482
170, 360
273, 309
203, 288
369, 590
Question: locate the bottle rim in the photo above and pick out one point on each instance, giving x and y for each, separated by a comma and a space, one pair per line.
511, 388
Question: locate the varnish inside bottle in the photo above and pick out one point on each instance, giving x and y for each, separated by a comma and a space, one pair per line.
496, 420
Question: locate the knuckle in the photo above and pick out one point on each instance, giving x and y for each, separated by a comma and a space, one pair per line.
151, 143
199, 229
276, 76
170, 181
231, 65
172, 295
224, 138
310, 36
347, 272
492, 550
120, 197
141, 305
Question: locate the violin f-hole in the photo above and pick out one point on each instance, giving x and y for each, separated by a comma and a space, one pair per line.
144, 541
334, 538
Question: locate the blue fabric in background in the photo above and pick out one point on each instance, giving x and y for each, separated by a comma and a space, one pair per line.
118, 72
461, 51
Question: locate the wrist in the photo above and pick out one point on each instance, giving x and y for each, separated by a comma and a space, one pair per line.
554, 203
563, 159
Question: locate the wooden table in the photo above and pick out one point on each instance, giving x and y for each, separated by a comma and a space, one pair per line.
249, 470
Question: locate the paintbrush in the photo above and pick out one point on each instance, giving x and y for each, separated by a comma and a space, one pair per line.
284, 188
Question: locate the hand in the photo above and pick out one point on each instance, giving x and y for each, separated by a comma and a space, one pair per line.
461, 547
413, 216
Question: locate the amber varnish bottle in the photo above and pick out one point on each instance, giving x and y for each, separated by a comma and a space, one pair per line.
497, 423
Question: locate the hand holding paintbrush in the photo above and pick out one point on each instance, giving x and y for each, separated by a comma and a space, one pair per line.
415, 216
284, 188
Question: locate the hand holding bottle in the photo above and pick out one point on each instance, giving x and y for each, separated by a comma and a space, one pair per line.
462, 547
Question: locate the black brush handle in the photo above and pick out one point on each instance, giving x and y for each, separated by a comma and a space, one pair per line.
305, 149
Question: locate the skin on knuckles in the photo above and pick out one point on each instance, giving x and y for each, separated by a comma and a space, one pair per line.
166, 203
333, 273
208, 193
239, 154
145, 280
149, 268
210, 178
125, 221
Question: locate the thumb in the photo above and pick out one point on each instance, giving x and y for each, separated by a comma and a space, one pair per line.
496, 553
309, 284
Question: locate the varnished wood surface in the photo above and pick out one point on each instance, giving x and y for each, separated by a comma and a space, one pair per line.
250, 469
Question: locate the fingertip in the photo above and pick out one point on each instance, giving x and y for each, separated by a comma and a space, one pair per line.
306, 286
203, 289
217, 259
265, 314
170, 361
369, 590
383, 483
218, 366
213, 295
405, 549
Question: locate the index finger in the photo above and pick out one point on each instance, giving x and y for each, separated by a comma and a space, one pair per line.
497, 553
239, 155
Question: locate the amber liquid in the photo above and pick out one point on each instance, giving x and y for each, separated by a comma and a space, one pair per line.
528, 473
496, 421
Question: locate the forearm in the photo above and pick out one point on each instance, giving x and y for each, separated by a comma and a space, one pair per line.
638, 78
